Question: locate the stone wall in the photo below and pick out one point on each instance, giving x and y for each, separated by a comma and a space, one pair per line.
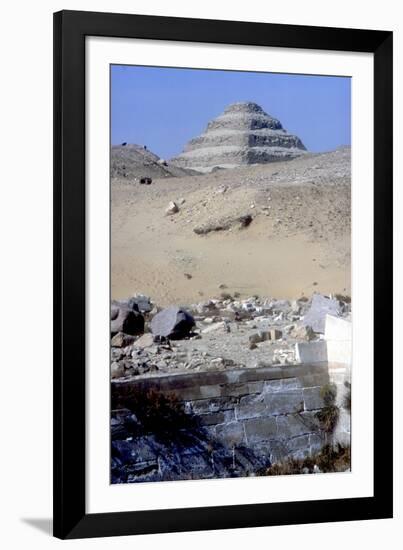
269, 411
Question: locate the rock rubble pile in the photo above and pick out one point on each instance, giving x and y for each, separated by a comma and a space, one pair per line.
216, 334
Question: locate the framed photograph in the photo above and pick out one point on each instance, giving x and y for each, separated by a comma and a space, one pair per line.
222, 274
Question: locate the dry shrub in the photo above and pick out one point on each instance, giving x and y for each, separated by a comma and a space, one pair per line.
330, 459
329, 414
157, 413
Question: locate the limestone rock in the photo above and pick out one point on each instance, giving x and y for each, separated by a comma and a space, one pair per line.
243, 134
172, 322
145, 341
172, 208
117, 370
216, 327
302, 332
121, 340
320, 307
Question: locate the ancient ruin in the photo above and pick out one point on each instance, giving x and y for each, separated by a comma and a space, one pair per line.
243, 134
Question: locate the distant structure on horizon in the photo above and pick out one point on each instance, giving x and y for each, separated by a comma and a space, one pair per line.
243, 134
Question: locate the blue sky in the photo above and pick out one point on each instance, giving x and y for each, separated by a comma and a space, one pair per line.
165, 107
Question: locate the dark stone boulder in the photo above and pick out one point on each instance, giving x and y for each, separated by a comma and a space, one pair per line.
245, 220
172, 322
126, 320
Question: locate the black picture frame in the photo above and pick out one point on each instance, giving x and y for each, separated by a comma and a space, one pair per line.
70, 517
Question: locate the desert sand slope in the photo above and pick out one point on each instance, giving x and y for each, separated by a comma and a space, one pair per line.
131, 162
297, 242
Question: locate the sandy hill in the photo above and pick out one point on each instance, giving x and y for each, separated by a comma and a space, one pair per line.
132, 162
280, 229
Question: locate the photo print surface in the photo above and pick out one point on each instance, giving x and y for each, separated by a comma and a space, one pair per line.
230, 274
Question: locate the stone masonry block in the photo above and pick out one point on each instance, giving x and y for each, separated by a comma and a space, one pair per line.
231, 433
284, 403
260, 429
312, 398
299, 424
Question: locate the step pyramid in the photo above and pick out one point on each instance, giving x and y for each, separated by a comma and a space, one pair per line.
243, 134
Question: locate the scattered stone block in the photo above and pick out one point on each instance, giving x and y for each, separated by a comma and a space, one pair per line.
215, 327
117, 370
275, 334
122, 340
320, 307
338, 333
145, 341
172, 208
302, 332
311, 352
258, 337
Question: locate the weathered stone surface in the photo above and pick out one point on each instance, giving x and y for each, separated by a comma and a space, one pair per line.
145, 341
275, 334
338, 336
284, 403
282, 385
117, 370
258, 337
320, 307
312, 398
204, 406
215, 327
251, 406
219, 417
302, 332
232, 433
172, 322
297, 424
234, 427
121, 340
172, 208
243, 134
126, 320
315, 443
311, 352
242, 389
141, 303
299, 447
260, 429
